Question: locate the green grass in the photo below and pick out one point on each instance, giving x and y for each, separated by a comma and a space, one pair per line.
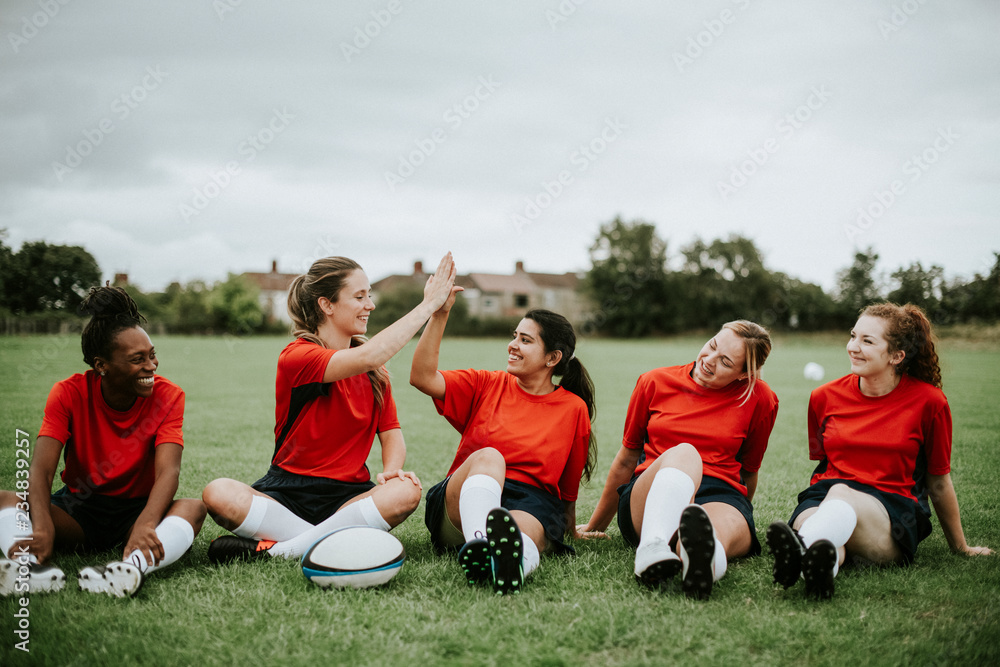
584, 610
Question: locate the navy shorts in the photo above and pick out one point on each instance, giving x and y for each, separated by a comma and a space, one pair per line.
313, 499
549, 510
106, 520
712, 490
910, 523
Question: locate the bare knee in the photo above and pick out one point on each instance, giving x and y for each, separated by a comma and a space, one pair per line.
488, 458
398, 499
225, 499
191, 510
840, 492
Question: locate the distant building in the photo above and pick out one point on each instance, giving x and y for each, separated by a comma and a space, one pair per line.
273, 292
498, 296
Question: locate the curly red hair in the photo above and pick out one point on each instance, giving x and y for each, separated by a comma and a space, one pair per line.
907, 328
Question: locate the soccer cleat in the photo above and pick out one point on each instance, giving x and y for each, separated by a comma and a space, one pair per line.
39, 579
474, 557
504, 538
229, 548
818, 565
656, 563
696, 544
91, 579
787, 548
118, 579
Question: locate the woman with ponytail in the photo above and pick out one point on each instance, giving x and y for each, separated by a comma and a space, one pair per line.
694, 439
882, 437
511, 491
332, 398
119, 427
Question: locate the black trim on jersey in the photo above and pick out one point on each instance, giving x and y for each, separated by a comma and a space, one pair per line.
301, 395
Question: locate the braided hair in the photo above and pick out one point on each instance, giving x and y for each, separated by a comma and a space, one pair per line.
111, 311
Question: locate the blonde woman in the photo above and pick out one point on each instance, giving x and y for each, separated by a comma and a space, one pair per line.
694, 439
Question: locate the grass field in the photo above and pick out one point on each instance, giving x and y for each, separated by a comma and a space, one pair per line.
586, 610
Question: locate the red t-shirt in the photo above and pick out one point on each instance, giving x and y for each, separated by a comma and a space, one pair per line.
668, 407
325, 429
108, 452
889, 442
544, 439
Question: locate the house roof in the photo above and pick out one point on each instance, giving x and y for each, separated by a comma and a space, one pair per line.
279, 282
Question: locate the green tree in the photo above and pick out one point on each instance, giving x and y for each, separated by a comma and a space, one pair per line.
628, 280
918, 286
43, 277
857, 285
235, 306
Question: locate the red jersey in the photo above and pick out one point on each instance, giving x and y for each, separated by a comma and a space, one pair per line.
889, 442
108, 452
668, 407
325, 429
544, 439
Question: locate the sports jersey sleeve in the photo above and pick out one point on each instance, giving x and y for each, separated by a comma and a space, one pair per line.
460, 392
388, 420
937, 442
637, 417
762, 422
813, 417
171, 429
569, 481
57, 418
306, 363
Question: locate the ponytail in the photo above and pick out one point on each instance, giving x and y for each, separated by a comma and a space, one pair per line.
325, 278
557, 334
907, 328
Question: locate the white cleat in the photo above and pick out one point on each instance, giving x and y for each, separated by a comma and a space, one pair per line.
656, 563
118, 579
39, 579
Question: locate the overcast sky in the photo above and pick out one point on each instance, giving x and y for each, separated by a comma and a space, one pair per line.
184, 140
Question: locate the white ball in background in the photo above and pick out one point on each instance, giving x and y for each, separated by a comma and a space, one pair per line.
813, 371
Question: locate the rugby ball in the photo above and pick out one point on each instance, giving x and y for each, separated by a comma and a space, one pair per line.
355, 557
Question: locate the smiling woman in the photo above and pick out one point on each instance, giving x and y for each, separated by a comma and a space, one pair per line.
120, 429
332, 398
694, 439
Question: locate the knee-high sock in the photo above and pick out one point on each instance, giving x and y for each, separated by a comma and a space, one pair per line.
13, 529
479, 494
669, 494
361, 513
835, 521
270, 520
176, 535
530, 557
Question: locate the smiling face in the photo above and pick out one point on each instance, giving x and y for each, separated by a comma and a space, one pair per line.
353, 306
526, 355
868, 349
128, 374
721, 361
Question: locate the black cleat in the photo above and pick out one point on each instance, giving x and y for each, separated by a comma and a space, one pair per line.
474, 557
787, 548
504, 539
229, 548
818, 564
696, 544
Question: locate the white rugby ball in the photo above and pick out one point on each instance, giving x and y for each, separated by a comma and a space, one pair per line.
355, 556
813, 371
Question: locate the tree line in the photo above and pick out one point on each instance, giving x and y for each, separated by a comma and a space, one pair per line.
635, 286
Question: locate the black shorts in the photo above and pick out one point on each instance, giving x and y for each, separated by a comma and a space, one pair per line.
106, 520
910, 523
313, 499
712, 490
549, 510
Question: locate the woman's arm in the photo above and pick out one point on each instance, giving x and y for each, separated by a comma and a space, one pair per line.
167, 467
383, 345
942, 493
44, 462
424, 373
622, 469
393, 458
749, 481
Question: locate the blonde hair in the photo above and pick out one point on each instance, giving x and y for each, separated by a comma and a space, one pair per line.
756, 345
325, 278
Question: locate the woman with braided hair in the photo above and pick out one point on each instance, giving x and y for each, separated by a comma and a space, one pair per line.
119, 427
882, 437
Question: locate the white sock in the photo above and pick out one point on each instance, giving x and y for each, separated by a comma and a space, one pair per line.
362, 513
530, 556
719, 559
11, 532
270, 520
479, 495
669, 494
176, 535
835, 521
